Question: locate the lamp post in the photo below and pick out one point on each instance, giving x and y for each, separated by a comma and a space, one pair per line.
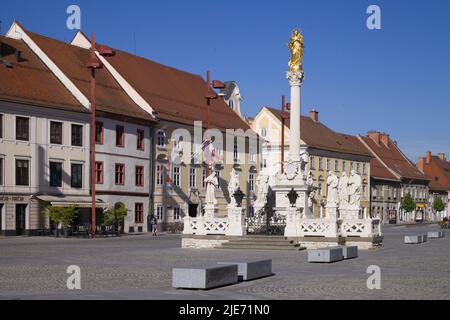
210, 95
93, 64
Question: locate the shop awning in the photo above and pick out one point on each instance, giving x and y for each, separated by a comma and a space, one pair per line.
79, 201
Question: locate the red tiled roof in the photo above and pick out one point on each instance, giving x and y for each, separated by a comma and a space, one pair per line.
440, 169
72, 60
174, 95
317, 135
30, 81
394, 159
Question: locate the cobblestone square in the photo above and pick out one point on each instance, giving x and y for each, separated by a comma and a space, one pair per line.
139, 267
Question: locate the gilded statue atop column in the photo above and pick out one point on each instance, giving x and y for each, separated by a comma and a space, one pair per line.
296, 46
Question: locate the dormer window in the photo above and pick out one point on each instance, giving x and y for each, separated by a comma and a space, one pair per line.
231, 104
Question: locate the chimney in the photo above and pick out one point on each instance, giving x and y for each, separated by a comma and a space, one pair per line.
385, 139
314, 115
421, 164
428, 159
375, 136
442, 156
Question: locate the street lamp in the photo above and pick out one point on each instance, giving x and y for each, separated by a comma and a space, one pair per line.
239, 196
293, 196
211, 95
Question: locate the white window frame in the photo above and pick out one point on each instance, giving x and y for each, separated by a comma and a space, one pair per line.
177, 209
176, 176
164, 137
159, 174
251, 182
192, 177
160, 209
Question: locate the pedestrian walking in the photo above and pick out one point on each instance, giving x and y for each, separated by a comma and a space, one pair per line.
154, 226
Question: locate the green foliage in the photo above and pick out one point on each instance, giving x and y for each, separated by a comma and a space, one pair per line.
438, 204
115, 214
408, 204
63, 215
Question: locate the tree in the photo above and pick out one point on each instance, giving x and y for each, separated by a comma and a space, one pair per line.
438, 205
408, 204
63, 215
115, 214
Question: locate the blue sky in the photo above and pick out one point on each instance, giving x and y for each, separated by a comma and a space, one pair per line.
396, 79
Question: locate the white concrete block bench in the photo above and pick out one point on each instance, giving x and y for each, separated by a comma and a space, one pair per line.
436, 235
326, 255
204, 277
350, 252
252, 269
418, 239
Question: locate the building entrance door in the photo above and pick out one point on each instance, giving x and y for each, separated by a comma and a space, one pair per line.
21, 212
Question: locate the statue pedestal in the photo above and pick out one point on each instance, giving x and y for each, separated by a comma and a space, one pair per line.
332, 212
292, 223
349, 212
210, 211
236, 225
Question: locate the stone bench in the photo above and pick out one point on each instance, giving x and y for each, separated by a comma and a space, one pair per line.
436, 235
204, 277
424, 238
326, 255
252, 269
350, 252
415, 239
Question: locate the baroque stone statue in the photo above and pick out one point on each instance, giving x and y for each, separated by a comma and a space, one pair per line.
343, 190
233, 186
355, 189
262, 183
211, 183
333, 184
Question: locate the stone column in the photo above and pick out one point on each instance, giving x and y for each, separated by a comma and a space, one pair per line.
295, 81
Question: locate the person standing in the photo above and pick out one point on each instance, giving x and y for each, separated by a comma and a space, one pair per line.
154, 226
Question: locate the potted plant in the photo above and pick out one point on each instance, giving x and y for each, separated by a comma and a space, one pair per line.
115, 215
63, 216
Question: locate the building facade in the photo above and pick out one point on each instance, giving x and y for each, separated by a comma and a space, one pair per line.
437, 168
393, 177
44, 145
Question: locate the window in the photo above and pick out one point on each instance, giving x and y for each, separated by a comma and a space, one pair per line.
139, 176
55, 132
251, 182
120, 174
336, 165
120, 136
1, 126
352, 166
320, 164
22, 129
344, 166
1, 171
364, 168
320, 190
231, 104
159, 175
76, 175
176, 214
139, 213
160, 213
56, 174
99, 172
328, 164
203, 178
141, 140
161, 138
358, 168
22, 172
264, 132
99, 133
176, 176
77, 135
192, 178
312, 165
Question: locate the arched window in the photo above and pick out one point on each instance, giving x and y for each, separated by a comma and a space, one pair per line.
231, 104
